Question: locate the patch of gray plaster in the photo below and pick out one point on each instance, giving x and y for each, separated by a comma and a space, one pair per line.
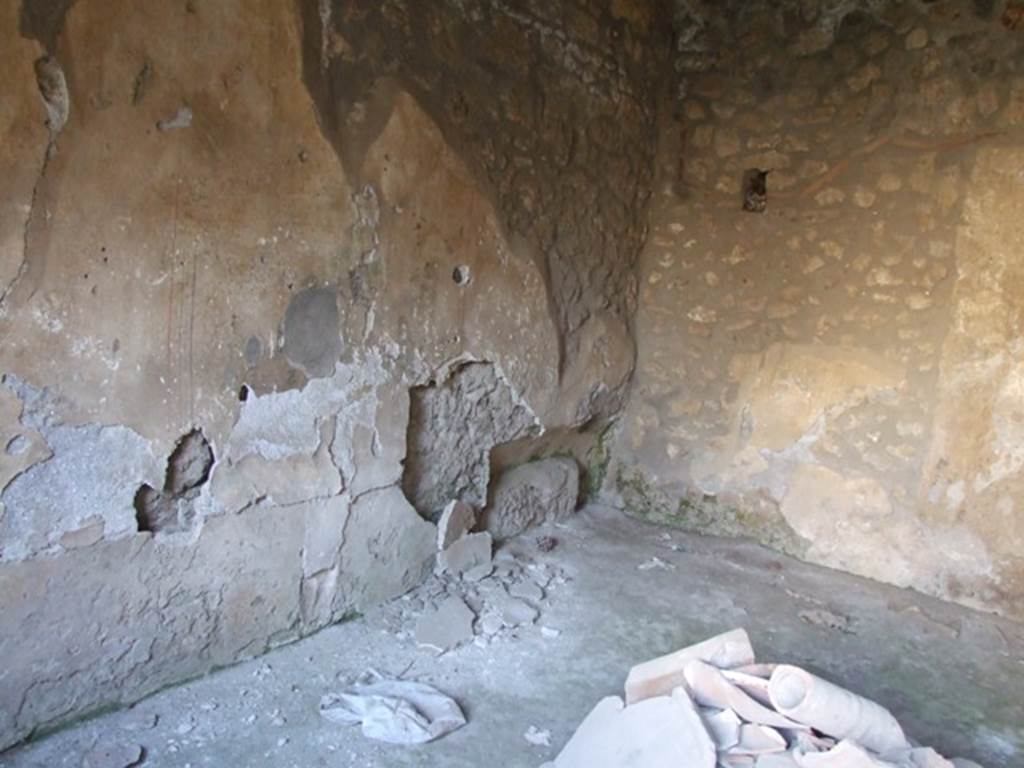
91, 477
453, 425
94, 470
311, 332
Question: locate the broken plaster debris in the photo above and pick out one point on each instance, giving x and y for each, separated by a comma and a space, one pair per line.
457, 519
447, 627
538, 737
505, 596
471, 551
113, 754
790, 719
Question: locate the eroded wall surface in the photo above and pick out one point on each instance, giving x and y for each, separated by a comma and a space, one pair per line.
839, 376
237, 241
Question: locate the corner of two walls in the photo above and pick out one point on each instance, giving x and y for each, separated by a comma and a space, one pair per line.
839, 376
225, 274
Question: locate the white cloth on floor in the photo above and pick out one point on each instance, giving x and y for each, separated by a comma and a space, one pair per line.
395, 711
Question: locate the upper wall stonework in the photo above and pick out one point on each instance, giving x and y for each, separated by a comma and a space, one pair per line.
210, 232
839, 376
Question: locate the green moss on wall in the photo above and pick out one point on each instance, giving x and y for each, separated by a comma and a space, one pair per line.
699, 513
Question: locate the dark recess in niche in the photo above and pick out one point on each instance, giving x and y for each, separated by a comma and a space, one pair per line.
173, 509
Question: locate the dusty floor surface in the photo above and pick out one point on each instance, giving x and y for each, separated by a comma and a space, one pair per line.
618, 591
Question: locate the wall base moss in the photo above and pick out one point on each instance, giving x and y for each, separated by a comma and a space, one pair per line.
734, 516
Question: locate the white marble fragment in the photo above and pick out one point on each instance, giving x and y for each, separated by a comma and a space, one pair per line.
659, 732
834, 711
778, 760
724, 727
710, 689
660, 676
759, 740
845, 754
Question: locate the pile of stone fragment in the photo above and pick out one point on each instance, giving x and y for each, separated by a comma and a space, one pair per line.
712, 705
475, 594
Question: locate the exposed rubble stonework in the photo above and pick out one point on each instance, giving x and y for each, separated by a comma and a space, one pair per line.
237, 242
838, 375
442, 463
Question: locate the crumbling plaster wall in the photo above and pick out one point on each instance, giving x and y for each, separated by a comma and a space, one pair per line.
269, 221
839, 376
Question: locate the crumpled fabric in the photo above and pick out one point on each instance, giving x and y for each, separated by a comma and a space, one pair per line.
395, 711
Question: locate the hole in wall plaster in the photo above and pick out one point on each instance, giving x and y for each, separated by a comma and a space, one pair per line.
173, 508
243, 393
453, 424
755, 190
462, 275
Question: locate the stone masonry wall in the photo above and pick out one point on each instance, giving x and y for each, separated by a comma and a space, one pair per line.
225, 265
838, 376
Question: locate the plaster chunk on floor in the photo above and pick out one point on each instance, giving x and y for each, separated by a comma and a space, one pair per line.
539, 492
447, 627
470, 552
113, 754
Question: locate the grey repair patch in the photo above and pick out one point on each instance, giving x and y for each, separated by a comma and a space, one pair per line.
312, 336
94, 471
92, 475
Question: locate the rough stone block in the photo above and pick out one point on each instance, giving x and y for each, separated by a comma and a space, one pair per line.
531, 494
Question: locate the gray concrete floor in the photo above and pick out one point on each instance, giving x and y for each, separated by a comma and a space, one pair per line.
953, 677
